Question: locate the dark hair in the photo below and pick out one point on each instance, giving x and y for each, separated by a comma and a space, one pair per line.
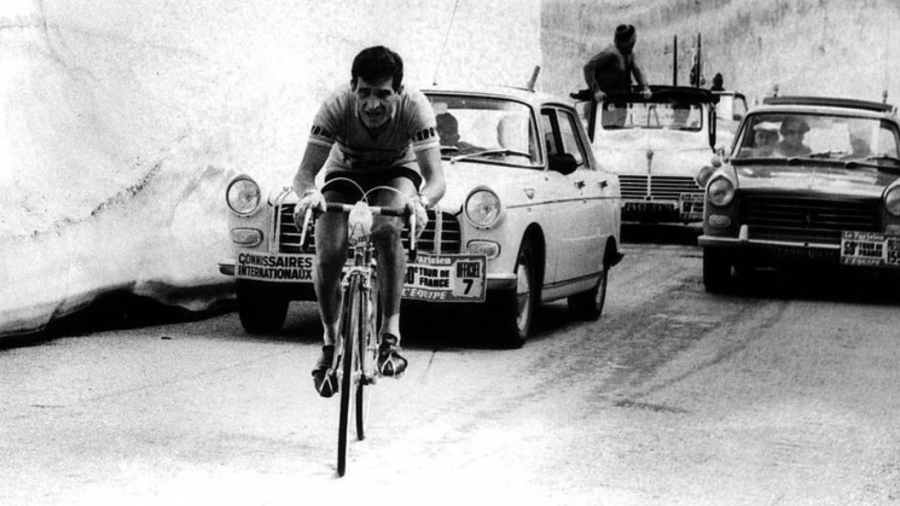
376, 63
624, 32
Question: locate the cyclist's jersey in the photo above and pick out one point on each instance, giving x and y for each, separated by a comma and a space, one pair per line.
411, 129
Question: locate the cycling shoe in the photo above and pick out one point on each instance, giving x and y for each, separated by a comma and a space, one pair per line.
324, 378
390, 362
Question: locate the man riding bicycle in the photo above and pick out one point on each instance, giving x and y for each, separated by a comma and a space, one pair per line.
385, 135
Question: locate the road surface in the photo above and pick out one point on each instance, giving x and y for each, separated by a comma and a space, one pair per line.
783, 394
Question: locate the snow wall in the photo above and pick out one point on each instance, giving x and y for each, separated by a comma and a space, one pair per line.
123, 122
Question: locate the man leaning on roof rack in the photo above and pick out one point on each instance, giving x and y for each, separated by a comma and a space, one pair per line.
611, 70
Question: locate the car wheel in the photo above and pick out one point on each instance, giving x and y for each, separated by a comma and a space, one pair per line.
513, 310
588, 306
716, 271
260, 310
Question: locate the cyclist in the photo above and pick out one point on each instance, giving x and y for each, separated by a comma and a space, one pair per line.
385, 135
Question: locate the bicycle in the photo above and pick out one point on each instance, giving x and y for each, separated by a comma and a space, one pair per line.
354, 363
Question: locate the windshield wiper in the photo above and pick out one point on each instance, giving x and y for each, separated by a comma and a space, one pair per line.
490, 152
828, 154
873, 161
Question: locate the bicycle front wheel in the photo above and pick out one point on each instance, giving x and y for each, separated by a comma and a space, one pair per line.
368, 354
349, 365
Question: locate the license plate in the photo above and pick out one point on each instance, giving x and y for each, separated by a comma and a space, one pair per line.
870, 249
691, 204
446, 278
649, 207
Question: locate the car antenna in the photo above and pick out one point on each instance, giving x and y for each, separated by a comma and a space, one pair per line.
534, 76
437, 67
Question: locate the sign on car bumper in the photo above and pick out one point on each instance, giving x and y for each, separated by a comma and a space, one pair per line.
870, 249
440, 278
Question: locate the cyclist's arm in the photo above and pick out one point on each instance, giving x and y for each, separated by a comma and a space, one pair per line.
313, 160
432, 168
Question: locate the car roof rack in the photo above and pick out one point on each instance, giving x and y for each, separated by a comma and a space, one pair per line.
663, 93
829, 102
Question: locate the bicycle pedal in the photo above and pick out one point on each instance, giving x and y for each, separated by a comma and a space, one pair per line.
368, 380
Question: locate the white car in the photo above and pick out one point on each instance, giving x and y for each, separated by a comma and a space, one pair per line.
528, 217
656, 146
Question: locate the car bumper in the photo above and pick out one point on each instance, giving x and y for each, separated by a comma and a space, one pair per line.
495, 281
765, 251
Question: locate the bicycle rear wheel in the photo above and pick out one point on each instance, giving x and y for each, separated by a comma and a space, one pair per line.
368, 355
349, 326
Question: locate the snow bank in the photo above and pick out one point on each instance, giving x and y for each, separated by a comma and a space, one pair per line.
124, 121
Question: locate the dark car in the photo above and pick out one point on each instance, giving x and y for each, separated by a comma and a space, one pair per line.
808, 181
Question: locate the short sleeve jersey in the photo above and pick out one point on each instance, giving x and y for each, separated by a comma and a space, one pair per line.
412, 128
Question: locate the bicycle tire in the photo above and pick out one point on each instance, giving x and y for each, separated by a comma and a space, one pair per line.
348, 329
368, 355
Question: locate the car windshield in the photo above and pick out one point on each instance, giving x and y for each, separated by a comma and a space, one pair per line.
486, 129
816, 136
617, 115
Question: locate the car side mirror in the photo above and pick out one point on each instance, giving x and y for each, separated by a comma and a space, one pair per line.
564, 163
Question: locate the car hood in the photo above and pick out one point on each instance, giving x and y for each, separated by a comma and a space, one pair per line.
511, 184
858, 181
669, 153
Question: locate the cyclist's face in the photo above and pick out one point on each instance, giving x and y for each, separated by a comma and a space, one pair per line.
376, 101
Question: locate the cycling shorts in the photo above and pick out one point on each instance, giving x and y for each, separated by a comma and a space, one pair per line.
368, 180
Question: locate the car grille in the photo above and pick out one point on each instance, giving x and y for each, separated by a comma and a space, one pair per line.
805, 218
450, 237
657, 187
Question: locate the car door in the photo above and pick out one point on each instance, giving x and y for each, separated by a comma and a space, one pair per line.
578, 216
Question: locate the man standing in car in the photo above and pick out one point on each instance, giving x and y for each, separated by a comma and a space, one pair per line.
611, 70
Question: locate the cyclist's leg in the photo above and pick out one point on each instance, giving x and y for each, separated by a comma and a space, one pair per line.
386, 235
331, 254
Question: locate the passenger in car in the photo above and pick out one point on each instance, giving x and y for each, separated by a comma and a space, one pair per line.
793, 129
680, 117
448, 131
765, 137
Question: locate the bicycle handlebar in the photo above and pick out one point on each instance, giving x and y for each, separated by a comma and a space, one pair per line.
399, 212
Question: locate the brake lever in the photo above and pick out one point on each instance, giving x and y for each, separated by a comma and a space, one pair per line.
306, 217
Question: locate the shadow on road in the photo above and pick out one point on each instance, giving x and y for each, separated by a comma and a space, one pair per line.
836, 285
117, 310
661, 233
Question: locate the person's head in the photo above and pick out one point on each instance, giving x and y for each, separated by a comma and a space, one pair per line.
377, 81
448, 129
625, 38
680, 114
718, 81
792, 131
765, 134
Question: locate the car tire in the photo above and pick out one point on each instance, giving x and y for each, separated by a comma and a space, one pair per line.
716, 271
513, 310
260, 310
588, 306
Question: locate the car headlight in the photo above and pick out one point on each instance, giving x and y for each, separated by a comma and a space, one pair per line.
243, 196
483, 209
892, 201
720, 191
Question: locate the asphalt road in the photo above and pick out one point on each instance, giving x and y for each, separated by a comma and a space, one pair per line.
783, 394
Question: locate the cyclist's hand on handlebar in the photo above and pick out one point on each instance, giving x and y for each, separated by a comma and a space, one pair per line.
416, 208
312, 200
